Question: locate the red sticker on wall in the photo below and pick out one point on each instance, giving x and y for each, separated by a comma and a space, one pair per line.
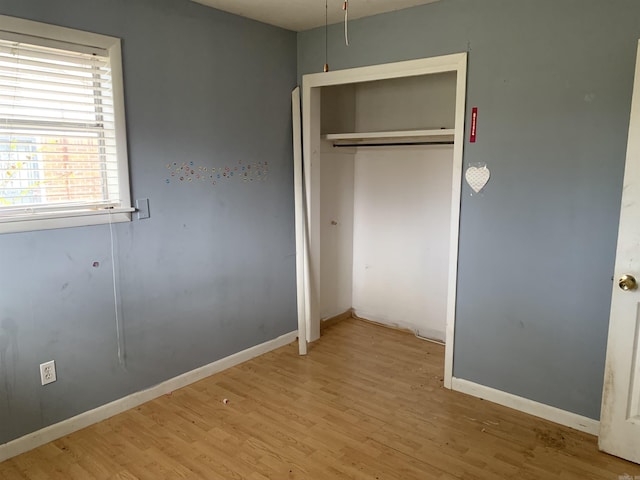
474, 123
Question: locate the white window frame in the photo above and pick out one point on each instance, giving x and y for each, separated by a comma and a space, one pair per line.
76, 40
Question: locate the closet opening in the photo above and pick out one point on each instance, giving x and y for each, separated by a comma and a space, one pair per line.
382, 154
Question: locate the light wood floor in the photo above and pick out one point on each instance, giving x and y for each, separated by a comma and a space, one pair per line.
366, 403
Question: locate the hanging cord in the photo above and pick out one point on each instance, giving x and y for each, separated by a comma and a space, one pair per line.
115, 294
345, 7
326, 36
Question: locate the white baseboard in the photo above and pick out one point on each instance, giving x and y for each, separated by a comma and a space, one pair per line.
553, 414
73, 424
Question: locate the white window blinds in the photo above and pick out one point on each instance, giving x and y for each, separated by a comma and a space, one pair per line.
57, 132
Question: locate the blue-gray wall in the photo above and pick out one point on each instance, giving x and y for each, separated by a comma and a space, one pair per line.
212, 271
552, 81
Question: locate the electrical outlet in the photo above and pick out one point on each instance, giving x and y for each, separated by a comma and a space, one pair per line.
48, 372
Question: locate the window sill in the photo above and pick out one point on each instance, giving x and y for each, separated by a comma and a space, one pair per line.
51, 220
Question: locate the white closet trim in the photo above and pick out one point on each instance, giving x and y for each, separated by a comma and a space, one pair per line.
312, 140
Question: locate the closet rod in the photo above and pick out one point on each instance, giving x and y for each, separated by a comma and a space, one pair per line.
388, 144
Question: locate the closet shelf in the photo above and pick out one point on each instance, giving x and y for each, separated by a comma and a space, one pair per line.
444, 134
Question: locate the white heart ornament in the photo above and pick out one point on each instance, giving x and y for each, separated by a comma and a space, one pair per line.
477, 177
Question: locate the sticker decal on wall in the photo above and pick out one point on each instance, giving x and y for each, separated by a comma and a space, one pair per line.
477, 176
190, 172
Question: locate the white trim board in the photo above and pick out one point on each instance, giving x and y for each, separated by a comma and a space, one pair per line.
547, 412
301, 262
85, 419
407, 68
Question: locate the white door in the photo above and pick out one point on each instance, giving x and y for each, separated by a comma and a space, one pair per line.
620, 416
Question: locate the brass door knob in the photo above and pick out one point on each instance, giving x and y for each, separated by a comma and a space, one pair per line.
627, 283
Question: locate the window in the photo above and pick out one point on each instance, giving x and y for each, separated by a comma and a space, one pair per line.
63, 156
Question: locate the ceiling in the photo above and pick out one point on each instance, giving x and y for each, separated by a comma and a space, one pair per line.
299, 15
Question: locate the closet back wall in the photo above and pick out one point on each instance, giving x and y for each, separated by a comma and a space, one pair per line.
212, 272
402, 222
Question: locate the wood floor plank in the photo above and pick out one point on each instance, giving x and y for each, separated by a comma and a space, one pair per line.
367, 403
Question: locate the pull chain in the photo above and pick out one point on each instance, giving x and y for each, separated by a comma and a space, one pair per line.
326, 36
